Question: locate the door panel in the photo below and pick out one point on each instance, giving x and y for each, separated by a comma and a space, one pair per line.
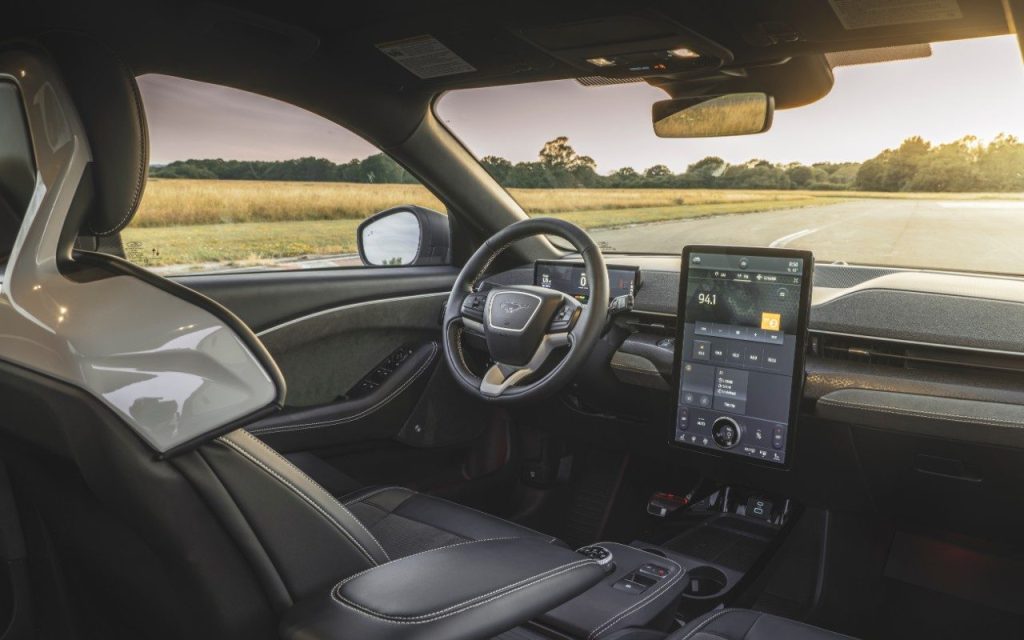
331, 331
324, 355
268, 298
377, 415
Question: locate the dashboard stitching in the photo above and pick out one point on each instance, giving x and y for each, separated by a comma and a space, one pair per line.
995, 422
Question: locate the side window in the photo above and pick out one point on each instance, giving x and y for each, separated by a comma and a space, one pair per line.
242, 181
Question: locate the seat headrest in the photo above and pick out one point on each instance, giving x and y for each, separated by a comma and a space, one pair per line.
107, 98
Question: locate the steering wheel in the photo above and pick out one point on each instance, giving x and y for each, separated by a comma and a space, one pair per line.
523, 325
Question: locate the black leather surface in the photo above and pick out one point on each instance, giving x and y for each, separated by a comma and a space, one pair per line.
407, 522
584, 334
470, 590
309, 536
602, 609
380, 414
108, 103
204, 570
742, 624
17, 167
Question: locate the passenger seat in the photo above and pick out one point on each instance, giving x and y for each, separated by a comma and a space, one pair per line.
743, 624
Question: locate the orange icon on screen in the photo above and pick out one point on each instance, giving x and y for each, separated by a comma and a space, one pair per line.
771, 321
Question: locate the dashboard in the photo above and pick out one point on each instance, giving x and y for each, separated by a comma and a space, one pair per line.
912, 403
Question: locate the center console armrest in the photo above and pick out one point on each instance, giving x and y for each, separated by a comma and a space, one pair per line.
642, 590
466, 591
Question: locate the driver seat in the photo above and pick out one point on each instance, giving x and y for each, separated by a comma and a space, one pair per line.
224, 537
406, 522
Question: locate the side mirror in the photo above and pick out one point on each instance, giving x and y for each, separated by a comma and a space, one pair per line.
734, 114
404, 236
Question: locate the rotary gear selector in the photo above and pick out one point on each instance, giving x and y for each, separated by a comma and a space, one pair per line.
726, 432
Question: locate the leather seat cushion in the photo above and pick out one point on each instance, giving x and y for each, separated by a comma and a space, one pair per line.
406, 522
743, 624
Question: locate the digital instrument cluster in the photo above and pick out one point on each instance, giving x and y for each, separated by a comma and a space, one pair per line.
571, 278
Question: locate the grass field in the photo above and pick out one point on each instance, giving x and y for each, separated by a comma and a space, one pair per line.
251, 222
193, 202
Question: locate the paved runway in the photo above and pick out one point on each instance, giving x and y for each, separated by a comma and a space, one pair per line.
969, 235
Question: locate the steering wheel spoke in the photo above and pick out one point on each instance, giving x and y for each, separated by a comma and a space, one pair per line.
565, 318
501, 377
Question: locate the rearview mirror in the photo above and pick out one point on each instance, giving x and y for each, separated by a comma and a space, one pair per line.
404, 236
734, 114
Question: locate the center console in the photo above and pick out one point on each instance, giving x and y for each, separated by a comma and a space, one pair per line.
640, 589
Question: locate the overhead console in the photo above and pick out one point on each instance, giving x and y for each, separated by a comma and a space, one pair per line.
740, 349
628, 46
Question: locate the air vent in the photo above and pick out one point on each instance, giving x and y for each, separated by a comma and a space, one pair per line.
908, 355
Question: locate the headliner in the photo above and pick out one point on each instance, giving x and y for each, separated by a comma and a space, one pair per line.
322, 55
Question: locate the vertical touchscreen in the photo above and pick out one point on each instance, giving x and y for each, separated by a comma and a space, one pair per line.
740, 361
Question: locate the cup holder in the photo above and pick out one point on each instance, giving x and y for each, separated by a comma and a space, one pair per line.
704, 582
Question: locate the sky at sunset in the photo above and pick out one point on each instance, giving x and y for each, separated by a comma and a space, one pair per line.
969, 87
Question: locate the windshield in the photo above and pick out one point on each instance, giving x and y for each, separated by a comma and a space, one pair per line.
911, 163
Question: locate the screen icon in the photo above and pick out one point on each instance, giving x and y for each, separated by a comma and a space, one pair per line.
771, 321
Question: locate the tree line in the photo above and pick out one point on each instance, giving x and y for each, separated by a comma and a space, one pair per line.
916, 165
378, 168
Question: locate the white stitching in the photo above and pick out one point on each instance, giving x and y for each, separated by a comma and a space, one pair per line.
327, 493
535, 533
419, 553
143, 155
336, 421
451, 610
472, 603
305, 497
361, 498
921, 413
643, 602
718, 615
484, 513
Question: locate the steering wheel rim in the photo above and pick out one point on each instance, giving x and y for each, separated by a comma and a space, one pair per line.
500, 384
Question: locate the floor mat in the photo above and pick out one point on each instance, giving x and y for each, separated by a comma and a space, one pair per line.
964, 573
937, 590
908, 611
